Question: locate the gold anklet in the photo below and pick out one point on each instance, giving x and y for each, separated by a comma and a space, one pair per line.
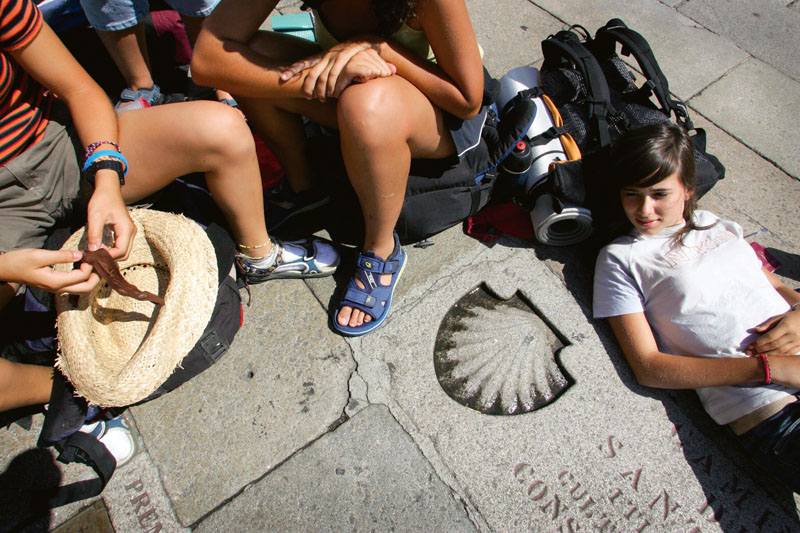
256, 247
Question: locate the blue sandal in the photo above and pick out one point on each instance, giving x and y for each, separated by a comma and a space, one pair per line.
374, 299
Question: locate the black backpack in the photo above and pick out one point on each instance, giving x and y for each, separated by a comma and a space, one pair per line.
596, 95
440, 193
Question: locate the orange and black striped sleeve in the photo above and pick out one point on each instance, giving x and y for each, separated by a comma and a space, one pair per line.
23, 105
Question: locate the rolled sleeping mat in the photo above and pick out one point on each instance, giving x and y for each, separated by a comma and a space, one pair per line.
572, 225
545, 151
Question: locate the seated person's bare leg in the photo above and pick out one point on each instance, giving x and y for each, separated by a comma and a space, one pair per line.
128, 49
22, 385
383, 124
172, 140
193, 25
278, 122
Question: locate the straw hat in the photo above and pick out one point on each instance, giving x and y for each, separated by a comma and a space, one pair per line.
117, 350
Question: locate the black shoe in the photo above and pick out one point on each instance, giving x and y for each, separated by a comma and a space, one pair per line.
282, 204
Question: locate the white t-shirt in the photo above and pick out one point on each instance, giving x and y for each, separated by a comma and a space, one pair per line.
701, 299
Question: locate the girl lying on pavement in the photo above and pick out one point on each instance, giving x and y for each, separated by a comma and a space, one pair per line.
692, 306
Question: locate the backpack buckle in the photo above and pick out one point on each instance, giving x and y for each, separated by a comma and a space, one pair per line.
213, 345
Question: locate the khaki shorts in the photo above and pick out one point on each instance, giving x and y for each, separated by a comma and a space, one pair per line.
42, 187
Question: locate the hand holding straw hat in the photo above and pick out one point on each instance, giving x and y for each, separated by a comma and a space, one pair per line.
116, 350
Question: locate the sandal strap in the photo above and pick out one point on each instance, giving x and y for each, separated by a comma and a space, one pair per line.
309, 247
377, 265
366, 271
358, 298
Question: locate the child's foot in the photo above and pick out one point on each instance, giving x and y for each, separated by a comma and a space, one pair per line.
308, 258
131, 99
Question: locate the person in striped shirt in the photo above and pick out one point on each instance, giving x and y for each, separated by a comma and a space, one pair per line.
61, 161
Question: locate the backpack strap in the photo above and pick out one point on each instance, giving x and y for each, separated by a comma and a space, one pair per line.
616, 31
566, 49
82, 448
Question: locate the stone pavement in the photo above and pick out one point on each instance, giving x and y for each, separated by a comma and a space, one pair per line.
300, 429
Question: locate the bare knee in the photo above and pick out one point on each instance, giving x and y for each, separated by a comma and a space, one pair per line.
224, 133
373, 113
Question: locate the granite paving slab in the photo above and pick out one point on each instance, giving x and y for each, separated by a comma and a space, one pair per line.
757, 111
755, 193
137, 501
367, 475
767, 29
604, 454
510, 33
282, 384
92, 519
691, 57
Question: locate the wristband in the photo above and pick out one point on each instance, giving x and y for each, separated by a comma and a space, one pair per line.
110, 164
106, 153
767, 375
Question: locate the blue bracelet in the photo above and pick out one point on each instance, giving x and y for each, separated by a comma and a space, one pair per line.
106, 153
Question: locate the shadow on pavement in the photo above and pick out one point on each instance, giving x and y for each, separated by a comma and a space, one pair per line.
25, 486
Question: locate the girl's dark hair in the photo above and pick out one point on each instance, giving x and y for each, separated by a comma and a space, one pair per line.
645, 156
391, 13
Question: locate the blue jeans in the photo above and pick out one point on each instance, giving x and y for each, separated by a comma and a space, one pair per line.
774, 445
116, 15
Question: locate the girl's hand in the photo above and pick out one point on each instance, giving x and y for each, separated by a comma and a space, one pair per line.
34, 268
323, 70
106, 208
785, 370
781, 336
363, 66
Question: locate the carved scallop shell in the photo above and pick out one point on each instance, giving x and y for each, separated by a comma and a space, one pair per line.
497, 356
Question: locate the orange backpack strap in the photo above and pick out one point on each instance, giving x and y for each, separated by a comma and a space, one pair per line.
570, 146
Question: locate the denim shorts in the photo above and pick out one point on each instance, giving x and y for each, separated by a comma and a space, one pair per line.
774, 445
116, 15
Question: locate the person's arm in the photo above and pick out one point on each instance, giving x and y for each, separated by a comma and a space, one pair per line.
781, 333
654, 368
47, 60
223, 56
454, 83
33, 268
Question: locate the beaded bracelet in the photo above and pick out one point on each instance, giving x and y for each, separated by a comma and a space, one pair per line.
767, 374
94, 146
107, 154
